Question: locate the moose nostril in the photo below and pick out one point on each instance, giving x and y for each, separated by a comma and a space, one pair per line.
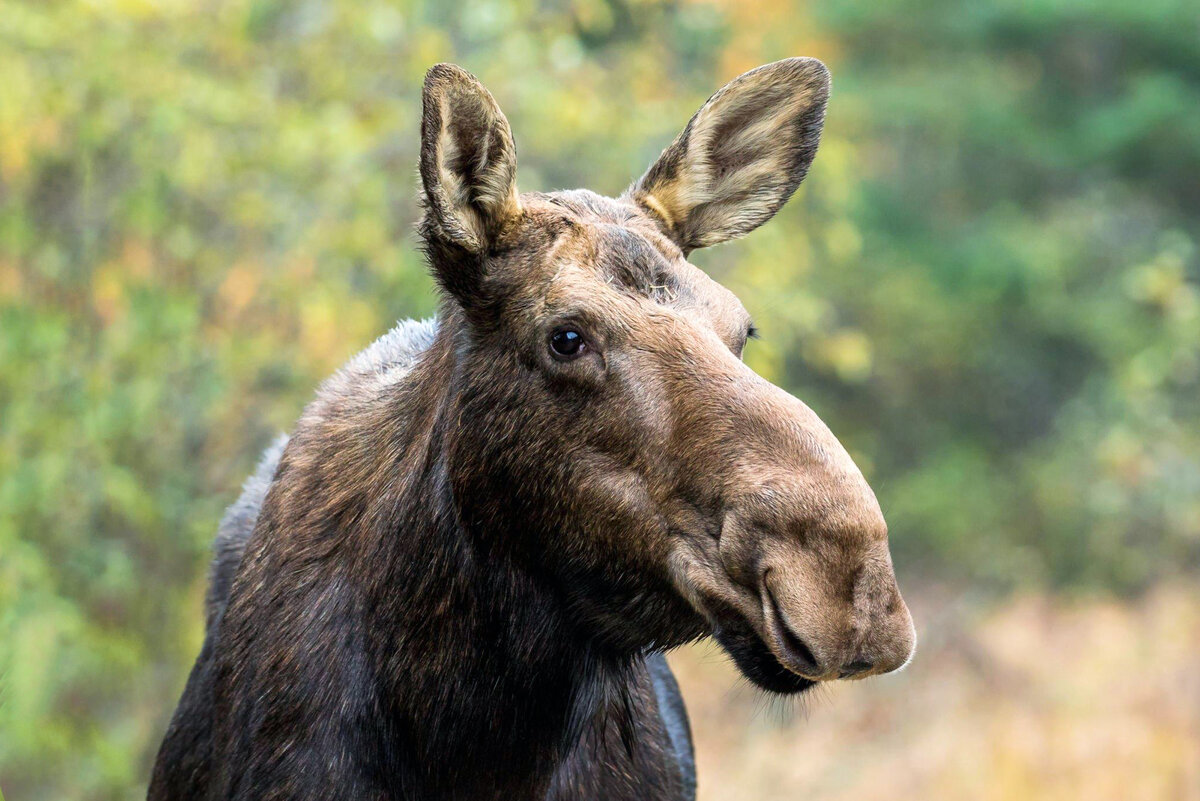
796, 647
855, 668
799, 648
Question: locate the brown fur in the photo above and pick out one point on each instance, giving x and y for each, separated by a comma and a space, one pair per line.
463, 559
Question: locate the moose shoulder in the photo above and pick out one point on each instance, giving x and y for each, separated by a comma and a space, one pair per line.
456, 578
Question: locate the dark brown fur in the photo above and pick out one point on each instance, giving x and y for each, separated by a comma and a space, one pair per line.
466, 553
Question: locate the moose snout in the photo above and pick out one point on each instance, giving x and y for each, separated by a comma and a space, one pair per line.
803, 538
821, 633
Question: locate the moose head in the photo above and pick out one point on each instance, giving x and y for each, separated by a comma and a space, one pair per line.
608, 433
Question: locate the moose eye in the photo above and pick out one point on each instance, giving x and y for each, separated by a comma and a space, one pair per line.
567, 343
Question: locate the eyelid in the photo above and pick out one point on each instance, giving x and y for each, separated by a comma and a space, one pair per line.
583, 321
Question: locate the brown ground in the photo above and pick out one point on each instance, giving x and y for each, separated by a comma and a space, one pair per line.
1037, 699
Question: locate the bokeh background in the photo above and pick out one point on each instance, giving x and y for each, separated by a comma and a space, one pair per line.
989, 287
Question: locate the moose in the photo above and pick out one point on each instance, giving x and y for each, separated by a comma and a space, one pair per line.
457, 578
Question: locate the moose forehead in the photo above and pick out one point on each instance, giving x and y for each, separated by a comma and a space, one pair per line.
585, 253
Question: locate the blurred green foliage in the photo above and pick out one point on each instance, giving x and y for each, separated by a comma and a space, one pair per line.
988, 287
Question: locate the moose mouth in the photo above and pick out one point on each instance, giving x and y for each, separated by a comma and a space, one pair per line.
728, 606
754, 658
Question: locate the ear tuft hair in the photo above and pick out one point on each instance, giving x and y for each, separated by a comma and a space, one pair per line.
741, 156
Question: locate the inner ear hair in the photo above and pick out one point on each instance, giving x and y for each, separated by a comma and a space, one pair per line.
741, 156
468, 161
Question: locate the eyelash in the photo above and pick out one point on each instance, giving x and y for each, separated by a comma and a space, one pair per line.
752, 332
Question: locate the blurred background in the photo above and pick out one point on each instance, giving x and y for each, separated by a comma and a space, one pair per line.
988, 286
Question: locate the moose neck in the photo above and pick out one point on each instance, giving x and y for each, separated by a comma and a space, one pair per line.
485, 681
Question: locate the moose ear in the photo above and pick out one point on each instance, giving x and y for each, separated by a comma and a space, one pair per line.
468, 163
741, 156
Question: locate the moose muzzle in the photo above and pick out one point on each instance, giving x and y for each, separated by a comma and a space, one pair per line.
823, 630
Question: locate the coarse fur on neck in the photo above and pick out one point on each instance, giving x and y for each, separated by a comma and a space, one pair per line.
469, 651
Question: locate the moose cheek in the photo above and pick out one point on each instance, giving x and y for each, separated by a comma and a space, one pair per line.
616, 493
